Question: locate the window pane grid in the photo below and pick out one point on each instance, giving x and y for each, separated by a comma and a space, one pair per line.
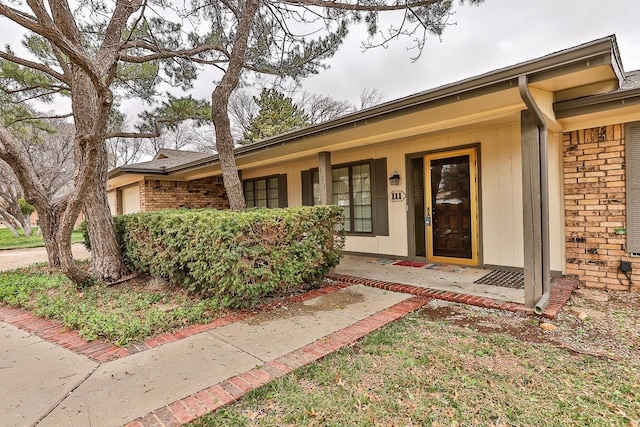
341, 193
315, 178
262, 193
351, 189
362, 213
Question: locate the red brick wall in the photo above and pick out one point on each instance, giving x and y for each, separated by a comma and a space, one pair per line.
595, 200
158, 194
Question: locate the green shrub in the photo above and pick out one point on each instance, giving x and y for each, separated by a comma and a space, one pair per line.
85, 235
118, 223
239, 257
25, 207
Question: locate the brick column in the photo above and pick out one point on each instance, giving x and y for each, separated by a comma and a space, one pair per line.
595, 201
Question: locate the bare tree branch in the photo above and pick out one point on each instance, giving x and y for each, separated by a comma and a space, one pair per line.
32, 118
165, 53
362, 7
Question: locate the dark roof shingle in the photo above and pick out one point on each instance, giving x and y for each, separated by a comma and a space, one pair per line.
164, 159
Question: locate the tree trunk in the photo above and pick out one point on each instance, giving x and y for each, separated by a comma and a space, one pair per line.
224, 145
14, 208
91, 113
9, 226
106, 259
49, 224
220, 107
26, 227
23, 221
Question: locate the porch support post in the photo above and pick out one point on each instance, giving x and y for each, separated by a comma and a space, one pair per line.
532, 208
119, 210
324, 166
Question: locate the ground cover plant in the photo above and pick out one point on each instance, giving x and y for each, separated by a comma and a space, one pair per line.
9, 241
121, 314
450, 364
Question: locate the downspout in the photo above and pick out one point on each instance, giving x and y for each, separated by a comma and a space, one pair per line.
523, 85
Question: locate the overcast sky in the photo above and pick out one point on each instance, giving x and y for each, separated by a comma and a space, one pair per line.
495, 34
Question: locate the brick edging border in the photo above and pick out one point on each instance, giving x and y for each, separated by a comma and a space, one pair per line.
228, 391
102, 351
561, 289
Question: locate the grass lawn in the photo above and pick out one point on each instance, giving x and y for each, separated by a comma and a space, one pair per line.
445, 365
429, 371
9, 241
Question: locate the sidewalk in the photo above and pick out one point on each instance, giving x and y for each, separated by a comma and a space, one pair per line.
15, 258
184, 376
52, 377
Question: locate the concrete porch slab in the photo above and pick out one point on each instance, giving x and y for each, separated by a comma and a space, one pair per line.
454, 281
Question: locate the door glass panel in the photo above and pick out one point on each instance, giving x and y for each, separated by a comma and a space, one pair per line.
451, 204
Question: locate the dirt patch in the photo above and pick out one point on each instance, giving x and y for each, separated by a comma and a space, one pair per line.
278, 299
597, 323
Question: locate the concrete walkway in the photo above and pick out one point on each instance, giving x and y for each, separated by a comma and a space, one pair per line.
15, 258
48, 385
52, 377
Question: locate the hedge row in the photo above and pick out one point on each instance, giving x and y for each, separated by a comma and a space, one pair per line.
238, 257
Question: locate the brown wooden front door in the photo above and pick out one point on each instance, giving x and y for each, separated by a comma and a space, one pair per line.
451, 216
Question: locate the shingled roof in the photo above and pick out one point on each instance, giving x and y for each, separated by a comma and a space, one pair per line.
164, 160
631, 80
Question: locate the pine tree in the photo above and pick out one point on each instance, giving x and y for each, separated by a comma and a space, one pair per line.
278, 114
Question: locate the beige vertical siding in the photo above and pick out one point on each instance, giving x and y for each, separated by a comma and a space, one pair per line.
501, 180
500, 193
111, 198
556, 202
131, 199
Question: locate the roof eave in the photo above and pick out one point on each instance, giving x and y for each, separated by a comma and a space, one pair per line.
122, 170
595, 103
537, 69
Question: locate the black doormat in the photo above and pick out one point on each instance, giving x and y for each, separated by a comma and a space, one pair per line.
506, 279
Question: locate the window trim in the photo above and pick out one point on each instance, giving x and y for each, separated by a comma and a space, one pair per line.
282, 190
379, 197
352, 207
632, 183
